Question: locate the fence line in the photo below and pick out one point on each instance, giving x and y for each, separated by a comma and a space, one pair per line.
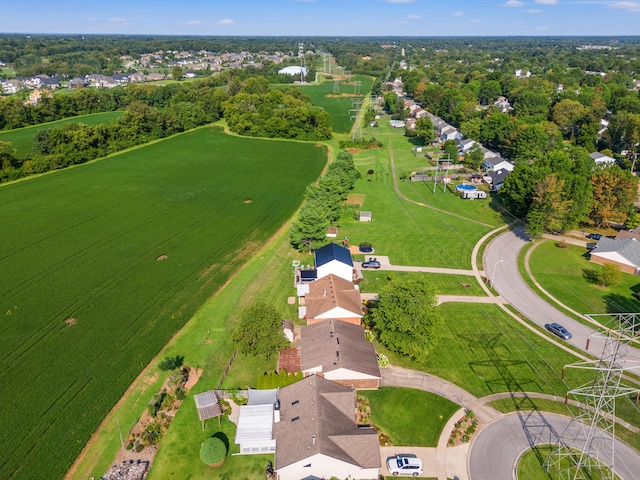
226, 370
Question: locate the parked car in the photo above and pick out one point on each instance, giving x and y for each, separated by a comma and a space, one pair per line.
594, 236
404, 464
371, 264
558, 330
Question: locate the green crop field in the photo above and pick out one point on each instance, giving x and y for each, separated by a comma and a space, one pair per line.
103, 263
22, 138
338, 106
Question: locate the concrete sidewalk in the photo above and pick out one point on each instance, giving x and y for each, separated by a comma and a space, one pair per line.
449, 462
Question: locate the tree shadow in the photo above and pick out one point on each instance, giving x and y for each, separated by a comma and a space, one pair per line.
222, 436
591, 276
617, 303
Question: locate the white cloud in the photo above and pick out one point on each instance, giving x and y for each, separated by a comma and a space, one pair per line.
534, 11
414, 17
225, 21
547, 2
118, 19
458, 13
542, 28
476, 20
513, 3
91, 19
192, 22
633, 7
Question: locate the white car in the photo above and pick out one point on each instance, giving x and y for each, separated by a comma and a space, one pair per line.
404, 464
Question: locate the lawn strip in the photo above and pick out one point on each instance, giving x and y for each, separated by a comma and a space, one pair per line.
393, 410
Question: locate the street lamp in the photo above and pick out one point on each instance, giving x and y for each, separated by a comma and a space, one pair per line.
494, 272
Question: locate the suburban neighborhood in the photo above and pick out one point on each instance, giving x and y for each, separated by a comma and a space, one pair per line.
320, 258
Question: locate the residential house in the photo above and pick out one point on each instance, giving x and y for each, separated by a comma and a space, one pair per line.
78, 82
332, 297
317, 435
155, 76
11, 86
464, 146
627, 234
339, 352
334, 259
503, 104
623, 253
449, 133
497, 163
602, 159
496, 178
136, 77
419, 113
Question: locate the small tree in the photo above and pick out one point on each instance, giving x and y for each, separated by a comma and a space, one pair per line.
171, 363
213, 451
405, 317
259, 331
609, 275
176, 73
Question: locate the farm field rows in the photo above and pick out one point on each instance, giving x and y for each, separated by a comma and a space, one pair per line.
22, 138
103, 263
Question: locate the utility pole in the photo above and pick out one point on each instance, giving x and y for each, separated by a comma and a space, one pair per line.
354, 115
588, 442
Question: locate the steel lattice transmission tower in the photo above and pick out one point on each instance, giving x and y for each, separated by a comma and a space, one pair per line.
354, 114
588, 442
336, 86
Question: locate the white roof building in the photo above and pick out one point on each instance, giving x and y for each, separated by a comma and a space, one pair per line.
293, 70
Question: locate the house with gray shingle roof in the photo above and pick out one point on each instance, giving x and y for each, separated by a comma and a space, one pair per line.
340, 352
317, 434
602, 159
623, 253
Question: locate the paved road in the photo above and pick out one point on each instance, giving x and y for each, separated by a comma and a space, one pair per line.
499, 444
501, 265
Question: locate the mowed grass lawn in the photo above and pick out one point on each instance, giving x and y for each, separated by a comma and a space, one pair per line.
409, 234
410, 417
22, 138
103, 263
487, 211
485, 351
376, 280
564, 273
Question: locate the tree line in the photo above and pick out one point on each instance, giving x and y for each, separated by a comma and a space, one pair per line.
324, 202
153, 112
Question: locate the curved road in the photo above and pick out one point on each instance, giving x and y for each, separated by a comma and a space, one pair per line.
501, 442
501, 266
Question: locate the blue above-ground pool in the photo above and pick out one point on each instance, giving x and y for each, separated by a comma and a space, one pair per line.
465, 187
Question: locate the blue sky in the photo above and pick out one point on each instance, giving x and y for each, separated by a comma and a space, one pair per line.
325, 17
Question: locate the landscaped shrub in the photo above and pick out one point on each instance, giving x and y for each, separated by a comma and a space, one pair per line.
213, 451
180, 393
139, 447
383, 360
